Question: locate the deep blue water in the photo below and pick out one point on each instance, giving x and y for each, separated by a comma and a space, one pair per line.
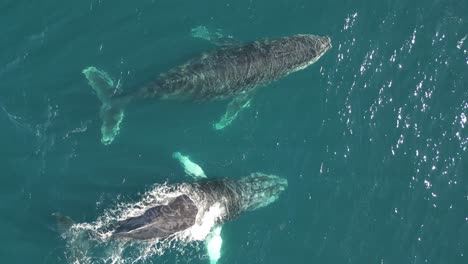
372, 138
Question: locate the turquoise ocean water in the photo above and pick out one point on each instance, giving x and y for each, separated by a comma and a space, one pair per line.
372, 138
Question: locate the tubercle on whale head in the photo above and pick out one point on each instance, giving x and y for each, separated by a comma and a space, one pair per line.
263, 189
328, 41
315, 46
324, 45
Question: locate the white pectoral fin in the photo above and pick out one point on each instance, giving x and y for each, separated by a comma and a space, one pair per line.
214, 242
215, 36
191, 168
233, 109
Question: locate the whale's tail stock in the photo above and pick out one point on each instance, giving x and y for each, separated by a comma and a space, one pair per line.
64, 223
112, 110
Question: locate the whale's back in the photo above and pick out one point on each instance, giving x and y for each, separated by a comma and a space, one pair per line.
235, 70
160, 221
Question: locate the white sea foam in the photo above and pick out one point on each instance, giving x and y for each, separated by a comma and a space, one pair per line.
205, 222
87, 242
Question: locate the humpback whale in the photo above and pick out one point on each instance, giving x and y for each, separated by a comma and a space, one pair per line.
188, 205
231, 197
185, 212
229, 72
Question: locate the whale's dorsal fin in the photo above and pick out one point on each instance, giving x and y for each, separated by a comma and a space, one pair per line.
159, 222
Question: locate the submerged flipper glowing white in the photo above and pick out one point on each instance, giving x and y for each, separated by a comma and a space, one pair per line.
215, 36
191, 168
214, 243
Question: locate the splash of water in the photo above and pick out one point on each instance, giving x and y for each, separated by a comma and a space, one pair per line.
88, 242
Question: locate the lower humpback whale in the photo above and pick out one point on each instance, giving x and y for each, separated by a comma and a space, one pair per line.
230, 72
196, 205
230, 197
186, 212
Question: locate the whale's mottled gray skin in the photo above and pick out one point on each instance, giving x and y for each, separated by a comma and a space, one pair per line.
235, 197
227, 72
230, 72
160, 221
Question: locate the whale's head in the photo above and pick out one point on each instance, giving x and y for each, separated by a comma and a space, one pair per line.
325, 43
307, 49
261, 189
318, 45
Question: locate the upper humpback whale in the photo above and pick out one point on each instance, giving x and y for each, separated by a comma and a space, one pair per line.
229, 72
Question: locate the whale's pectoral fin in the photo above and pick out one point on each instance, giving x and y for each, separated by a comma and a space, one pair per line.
64, 223
233, 109
111, 112
191, 168
214, 242
215, 36
227, 42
